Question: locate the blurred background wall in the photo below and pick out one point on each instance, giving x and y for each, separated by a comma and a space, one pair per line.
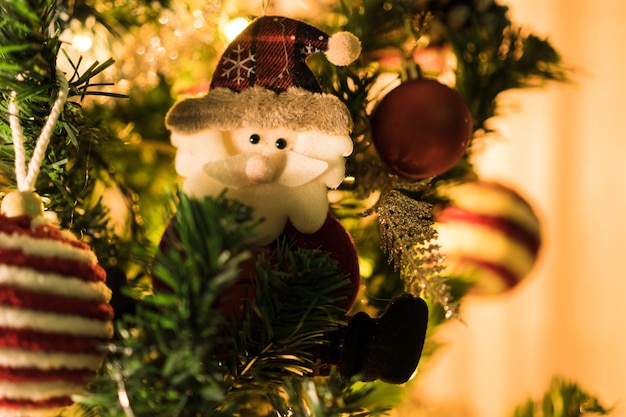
564, 148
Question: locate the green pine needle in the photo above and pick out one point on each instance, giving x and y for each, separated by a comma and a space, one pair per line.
564, 398
185, 354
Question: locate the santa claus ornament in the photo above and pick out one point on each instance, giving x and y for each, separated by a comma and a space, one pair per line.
489, 235
267, 134
54, 311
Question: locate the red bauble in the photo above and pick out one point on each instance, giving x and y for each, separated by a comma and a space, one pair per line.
421, 128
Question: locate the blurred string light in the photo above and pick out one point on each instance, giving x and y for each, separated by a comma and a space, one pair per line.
181, 44
85, 43
82, 42
309, 10
235, 27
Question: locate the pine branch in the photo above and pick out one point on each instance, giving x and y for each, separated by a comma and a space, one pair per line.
495, 55
333, 397
186, 353
563, 399
75, 168
297, 301
166, 354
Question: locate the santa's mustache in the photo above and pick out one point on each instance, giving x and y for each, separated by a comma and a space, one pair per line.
286, 168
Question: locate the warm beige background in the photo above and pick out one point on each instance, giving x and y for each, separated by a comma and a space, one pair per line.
565, 149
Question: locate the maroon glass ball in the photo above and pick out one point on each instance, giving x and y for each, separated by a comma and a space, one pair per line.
421, 128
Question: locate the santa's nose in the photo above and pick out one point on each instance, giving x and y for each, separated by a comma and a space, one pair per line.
264, 169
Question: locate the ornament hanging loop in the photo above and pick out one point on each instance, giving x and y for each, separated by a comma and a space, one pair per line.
26, 178
25, 200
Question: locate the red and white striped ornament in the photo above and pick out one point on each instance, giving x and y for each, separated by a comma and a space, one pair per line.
489, 235
54, 316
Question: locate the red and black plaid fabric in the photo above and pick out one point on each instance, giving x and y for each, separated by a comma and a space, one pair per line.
271, 52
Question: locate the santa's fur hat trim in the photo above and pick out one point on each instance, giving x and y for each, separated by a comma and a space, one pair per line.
296, 109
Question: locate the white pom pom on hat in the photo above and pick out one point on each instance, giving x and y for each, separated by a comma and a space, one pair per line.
343, 48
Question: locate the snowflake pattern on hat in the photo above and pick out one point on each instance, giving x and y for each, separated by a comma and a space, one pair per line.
239, 65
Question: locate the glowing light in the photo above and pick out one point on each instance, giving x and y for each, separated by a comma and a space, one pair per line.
234, 28
198, 19
82, 42
198, 23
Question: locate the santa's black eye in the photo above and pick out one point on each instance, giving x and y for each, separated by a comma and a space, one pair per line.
281, 143
254, 138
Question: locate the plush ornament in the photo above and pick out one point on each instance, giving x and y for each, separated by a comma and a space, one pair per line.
265, 130
267, 134
489, 235
54, 311
421, 128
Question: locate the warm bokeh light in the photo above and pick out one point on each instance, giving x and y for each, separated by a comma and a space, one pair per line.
235, 27
82, 42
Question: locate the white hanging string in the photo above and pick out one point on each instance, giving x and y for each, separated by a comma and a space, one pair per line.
26, 178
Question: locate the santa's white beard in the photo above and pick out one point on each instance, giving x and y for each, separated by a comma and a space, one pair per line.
305, 206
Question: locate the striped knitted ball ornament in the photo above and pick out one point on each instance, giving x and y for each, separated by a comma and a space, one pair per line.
54, 314
489, 235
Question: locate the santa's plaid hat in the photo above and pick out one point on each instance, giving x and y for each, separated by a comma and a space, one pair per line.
262, 81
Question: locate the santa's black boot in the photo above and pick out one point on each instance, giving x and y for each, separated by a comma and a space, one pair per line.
387, 348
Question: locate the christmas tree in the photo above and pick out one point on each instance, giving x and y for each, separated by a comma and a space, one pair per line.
246, 297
